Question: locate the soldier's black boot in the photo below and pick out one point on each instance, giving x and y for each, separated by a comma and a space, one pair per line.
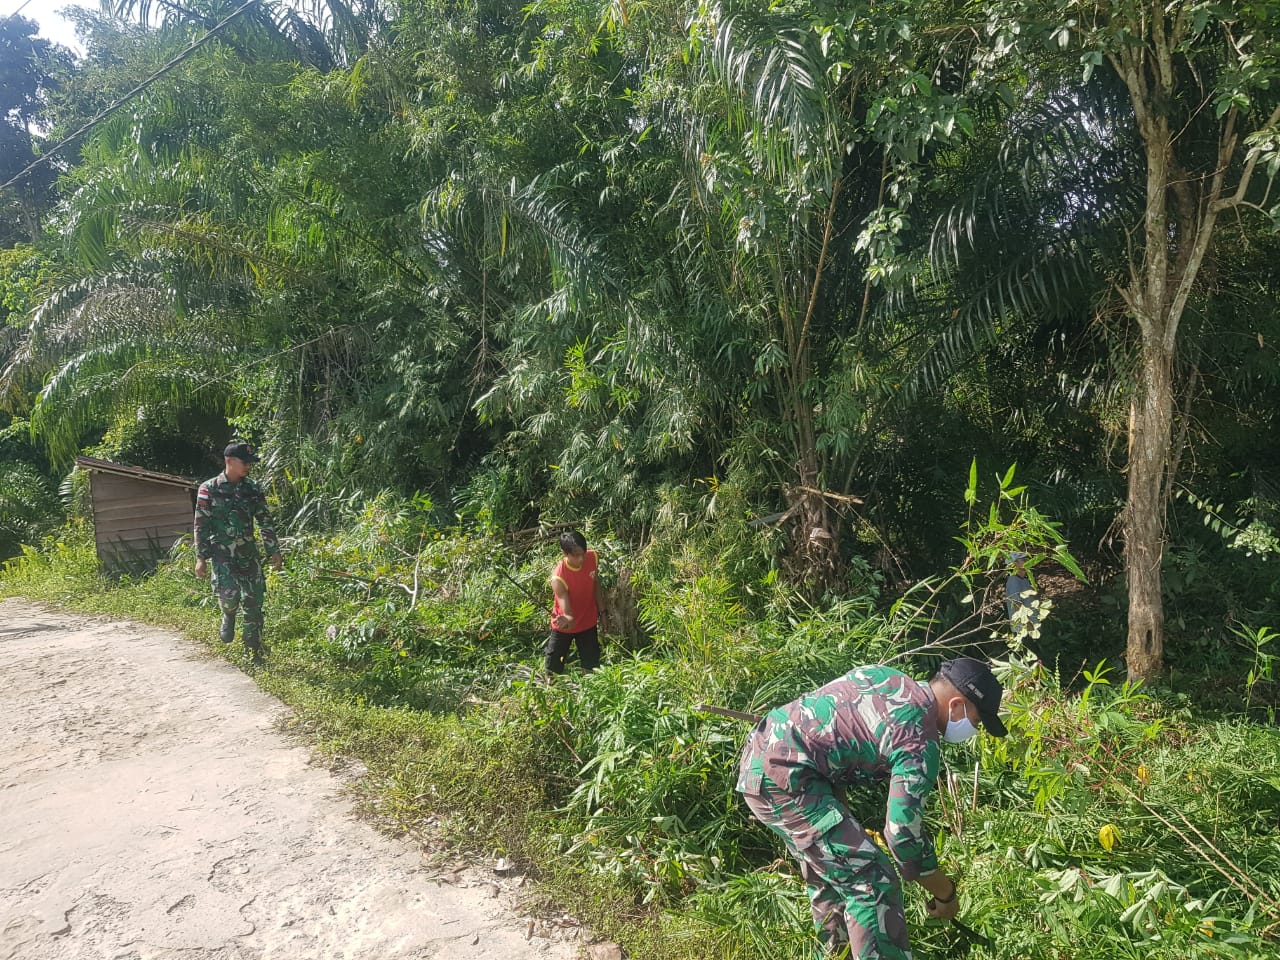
257, 655
227, 632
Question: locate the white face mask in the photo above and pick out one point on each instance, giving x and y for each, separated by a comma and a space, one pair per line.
958, 731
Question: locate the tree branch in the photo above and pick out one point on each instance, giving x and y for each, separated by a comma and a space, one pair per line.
1215, 206
1249, 167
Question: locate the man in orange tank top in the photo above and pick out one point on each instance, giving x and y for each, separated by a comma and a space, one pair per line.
578, 612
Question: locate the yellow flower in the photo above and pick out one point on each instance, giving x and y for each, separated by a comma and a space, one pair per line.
1144, 775
878, 839
1108, 836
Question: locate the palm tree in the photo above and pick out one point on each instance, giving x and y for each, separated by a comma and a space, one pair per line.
773, 178
325, 35
179, 247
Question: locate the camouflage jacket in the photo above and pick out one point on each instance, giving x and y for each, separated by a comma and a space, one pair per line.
871, 725
225, 514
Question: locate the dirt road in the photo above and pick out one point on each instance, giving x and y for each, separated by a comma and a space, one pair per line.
149, 808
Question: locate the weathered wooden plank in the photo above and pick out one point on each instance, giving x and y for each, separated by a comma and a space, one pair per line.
140, 497
137, 520
135, 530
97, 467
165, 504
134, 519
135, 503
138, 528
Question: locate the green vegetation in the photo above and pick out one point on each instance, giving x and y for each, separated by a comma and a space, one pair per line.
547, 262
1127, 821
744, 290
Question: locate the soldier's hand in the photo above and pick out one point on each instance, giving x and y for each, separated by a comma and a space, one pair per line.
277, 561
202, 567
944, 909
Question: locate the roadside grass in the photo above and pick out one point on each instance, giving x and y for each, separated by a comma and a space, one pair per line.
1113, 823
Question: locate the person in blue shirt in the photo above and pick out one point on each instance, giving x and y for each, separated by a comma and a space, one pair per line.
1021, 594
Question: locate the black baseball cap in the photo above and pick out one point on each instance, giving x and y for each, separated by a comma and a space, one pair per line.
241, 451
979, 685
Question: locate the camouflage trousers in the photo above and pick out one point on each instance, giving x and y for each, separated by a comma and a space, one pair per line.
242, 586
854, 889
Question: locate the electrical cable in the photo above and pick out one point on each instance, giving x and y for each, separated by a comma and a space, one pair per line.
128, 96
15, 13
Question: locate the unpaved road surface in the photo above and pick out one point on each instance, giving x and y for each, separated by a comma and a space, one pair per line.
150, 808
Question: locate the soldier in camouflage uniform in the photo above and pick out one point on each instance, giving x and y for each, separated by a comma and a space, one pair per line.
871, 725
226, 508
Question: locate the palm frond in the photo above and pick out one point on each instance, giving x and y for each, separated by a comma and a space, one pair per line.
324, 34
1031, 241
774, 71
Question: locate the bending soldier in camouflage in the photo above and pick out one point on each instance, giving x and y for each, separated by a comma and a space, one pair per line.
873, 724
226, 508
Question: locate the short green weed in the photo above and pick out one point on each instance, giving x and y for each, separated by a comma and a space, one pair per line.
1114, 822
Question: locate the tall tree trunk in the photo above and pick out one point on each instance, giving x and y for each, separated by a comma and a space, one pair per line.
1159, 287
815, 547
27, 192
1148, 75
816, 536
1150, 435
816, 542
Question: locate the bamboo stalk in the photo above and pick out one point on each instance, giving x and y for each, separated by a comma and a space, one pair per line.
1261, 896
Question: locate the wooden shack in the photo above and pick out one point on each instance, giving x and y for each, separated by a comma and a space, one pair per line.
138, 514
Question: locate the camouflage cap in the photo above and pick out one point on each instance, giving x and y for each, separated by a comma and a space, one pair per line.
974, 679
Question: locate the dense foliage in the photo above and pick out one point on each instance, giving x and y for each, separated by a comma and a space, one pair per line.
745, 290
1130, 822
548, 263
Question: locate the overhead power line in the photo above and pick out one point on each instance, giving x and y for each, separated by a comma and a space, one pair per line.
129, 96
15, 13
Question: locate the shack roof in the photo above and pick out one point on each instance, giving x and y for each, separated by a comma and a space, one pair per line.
138, 473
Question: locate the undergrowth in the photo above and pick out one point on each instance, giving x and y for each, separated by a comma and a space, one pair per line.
1114, 822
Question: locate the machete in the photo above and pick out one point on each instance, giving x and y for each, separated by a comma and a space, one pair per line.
731, 714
